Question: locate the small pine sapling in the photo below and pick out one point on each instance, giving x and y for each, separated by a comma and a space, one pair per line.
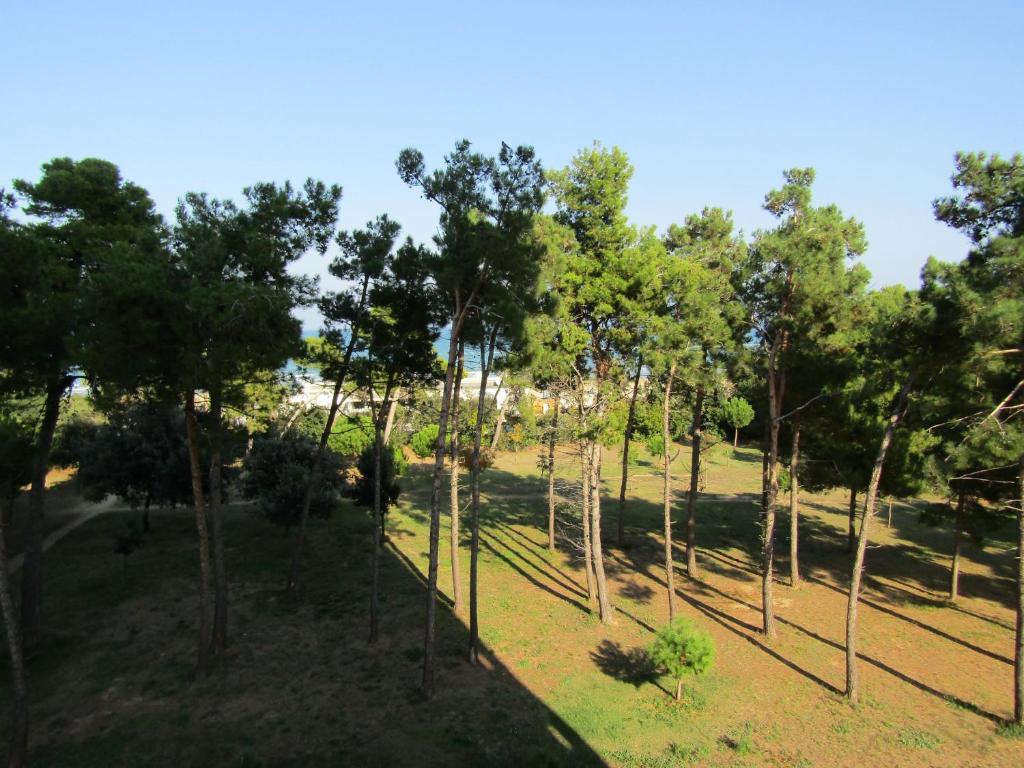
682, 648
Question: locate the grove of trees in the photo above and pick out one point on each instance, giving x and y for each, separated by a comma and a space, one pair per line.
181, 331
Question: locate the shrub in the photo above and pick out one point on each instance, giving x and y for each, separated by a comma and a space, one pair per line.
389, 489
276, 473
656, 446
424, 441
682, 648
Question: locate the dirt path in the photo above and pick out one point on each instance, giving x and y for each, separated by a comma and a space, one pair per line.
84, 512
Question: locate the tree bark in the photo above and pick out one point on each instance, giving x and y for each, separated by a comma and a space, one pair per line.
852, 691
620, 532
776, 393
954, 569
1018, 654
735, 437
199, 501
666, 439
390, 423
691, 501
32, 567
429, 634
486, 359
17, 754
454, 483
220, 579
603, 600
321, 448
794, 508
851, 528
500, 421
588, 559
552, 442
378, 514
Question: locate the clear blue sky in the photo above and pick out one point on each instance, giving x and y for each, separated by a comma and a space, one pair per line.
710, 100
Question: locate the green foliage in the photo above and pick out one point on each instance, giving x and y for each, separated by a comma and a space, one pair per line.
424, 441
737, 412
139, 454
349, 436
389, 489
16, 442
276, 473
655, 444
682, 648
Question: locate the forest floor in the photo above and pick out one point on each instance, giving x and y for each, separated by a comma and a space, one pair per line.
112, 683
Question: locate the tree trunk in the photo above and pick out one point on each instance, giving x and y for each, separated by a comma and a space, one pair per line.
486, 358
735, 437
852, 692
321, 448
378, 520
429, 635
32, 567
1018, 654
666, 439
794, 508
851, 528
620, 533
500, 421
588, 558
454, 482
679, 689
199, 501
220, 579
603, 601
390, 423
552, 442
954, 570
691, 501
18, 751
776, 392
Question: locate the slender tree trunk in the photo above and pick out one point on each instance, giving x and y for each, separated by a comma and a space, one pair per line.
679, 689
18, 750
486, 359
32, 568
220, 578
735, 437
851, 528
390, 423
429, 634
603, 600
454, 483
199, 501
500, 421
765, 474
552, 442
776, 392
321, 448
666, 439
378, 519
588, 557
630, 418
1018, 653
691, 501
954, 570
852, 692
794, 508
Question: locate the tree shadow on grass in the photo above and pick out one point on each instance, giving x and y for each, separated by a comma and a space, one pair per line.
633, 666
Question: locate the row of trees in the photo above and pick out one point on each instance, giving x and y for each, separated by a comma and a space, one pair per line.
581, 303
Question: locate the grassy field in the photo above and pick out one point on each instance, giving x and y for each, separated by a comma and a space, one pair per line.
112, 684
